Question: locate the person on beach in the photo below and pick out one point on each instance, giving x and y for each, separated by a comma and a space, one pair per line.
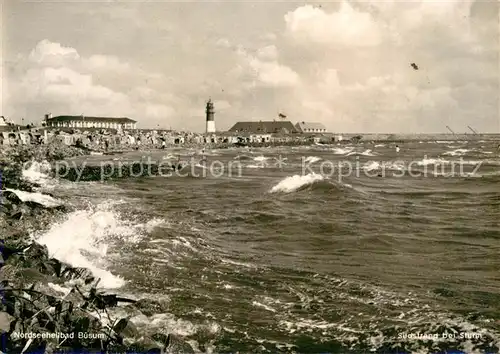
397, 148
203, 157
178, 165
163, 144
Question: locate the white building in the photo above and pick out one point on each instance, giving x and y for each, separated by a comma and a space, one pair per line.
310, 127
90, 122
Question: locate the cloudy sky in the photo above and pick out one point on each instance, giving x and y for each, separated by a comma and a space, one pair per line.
343, 63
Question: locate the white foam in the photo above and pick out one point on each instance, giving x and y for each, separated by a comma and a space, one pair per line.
40, 198
367, 152
342, 151
169, 157
293, 183
371, 166
37, 172
260, 158
312, 159
174, 325
59, 288
426, 161
457, 152
81, 239
259, 304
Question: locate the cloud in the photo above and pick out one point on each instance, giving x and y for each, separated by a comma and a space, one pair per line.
49, 53
269, 52
58, 80
359, 76
345, 64
347, 26
106, 62
264, 70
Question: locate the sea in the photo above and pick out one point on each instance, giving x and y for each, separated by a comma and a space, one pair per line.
344, 248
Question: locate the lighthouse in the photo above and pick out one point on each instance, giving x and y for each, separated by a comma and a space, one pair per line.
210, 112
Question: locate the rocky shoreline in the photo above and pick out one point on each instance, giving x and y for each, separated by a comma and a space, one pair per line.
38, 312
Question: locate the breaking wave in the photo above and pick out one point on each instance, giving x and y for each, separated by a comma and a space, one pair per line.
44, 199
83, 237
296, 182
342, 151
312, 159
367, 152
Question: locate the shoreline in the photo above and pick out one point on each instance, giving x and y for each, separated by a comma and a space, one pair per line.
43, 295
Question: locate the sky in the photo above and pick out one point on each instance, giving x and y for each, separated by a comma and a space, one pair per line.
346, 64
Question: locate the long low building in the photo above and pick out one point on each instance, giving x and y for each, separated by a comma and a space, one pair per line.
90, 122
263, 127
310, 127
278, 127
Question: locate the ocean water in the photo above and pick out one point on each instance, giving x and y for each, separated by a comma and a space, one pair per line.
328, 248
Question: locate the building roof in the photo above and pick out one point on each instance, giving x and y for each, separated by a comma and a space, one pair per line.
262, 127
309, 125
92, 119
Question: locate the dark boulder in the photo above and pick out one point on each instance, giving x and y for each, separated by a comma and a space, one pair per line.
37, 251
145, 345
127, 330
6, 251
10, 198
14, 238
150, 307
36, 256
71, 273
178, 346
5, 321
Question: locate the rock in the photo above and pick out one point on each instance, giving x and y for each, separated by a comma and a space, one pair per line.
9, 273
71, 273
162, 338
53, 267
37, 250
126, 329
177, 346
7, 251
35, 257
15, 238
150, 307
34, 205
81, 322
30, 275
10, 198
5, 321
15, 260
145, 345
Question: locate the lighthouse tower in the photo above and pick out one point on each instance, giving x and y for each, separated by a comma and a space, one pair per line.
210, 117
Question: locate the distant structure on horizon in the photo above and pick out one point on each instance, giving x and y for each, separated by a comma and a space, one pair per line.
3, 121
262, 127
310, 127
90, 122
210, 114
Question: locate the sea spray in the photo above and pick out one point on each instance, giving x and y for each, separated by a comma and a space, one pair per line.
44, 199
293, 183
82, 239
